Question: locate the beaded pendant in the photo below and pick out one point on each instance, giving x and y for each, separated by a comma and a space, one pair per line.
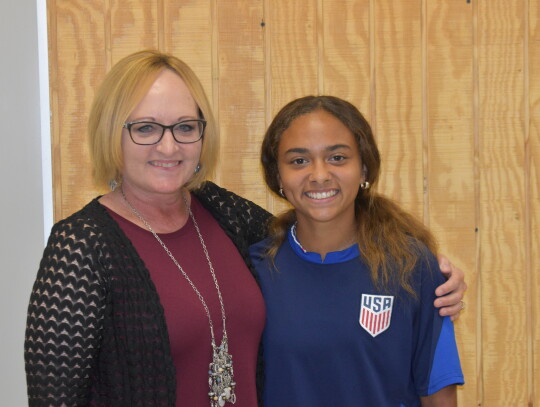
220, 376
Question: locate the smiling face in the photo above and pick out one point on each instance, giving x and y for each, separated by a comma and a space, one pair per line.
320, 169
165, 167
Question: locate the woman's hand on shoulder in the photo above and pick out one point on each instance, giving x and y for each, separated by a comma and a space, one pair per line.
450, 294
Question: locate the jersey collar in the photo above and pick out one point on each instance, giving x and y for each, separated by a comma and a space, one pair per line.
331, 258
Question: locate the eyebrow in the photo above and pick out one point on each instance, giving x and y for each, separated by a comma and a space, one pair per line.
300, 150
153, 119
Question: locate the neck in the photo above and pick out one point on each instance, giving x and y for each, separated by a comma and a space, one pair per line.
325, 237
165, 213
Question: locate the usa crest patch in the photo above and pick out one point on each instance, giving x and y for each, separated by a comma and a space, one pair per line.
376, 313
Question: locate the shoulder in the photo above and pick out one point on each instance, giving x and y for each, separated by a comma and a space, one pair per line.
212, 195
234, 213
427, 273
426, 259
91, 212
75, 249
258, 251
86, 225
208, 191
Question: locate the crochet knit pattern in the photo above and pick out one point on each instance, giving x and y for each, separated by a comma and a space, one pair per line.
96, 332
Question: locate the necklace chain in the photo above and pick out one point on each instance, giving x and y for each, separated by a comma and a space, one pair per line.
221, 372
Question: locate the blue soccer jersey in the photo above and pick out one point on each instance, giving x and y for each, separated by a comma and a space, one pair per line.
333, 340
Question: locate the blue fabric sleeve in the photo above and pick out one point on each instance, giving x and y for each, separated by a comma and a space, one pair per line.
446, 368
436, 359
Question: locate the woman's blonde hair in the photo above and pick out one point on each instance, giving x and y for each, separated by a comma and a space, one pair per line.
391, 241
121, 91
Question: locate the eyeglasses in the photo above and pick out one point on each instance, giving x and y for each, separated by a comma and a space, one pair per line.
148, 133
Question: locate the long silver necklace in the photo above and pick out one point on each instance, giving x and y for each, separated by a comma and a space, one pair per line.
220, 372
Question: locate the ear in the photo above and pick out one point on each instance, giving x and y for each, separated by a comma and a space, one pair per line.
364, 172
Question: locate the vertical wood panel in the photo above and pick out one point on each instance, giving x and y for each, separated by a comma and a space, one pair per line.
133, 26
398, 83
504, 339
534, 192
187, 28
80, 65
428, 82
242, 96
294, 54
294, 51
346, 51
450, 140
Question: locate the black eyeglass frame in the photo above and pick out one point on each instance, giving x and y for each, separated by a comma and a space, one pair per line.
163, 127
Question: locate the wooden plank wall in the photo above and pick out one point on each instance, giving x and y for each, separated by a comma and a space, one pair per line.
451, 87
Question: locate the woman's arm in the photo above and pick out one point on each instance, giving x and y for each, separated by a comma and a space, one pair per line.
446, 397
64, 323
452, 291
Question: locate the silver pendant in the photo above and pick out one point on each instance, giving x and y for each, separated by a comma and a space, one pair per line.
220, 376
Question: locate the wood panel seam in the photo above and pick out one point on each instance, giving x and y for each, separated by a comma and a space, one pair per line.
372, 72
320, 47
214, 23
477, 209
528, 213
425, 136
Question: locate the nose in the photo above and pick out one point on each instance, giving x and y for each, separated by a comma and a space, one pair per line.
320, 172
167, 144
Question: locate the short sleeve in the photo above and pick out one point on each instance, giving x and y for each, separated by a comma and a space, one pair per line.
436, 360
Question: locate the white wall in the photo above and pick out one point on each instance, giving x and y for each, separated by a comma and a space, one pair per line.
21, 196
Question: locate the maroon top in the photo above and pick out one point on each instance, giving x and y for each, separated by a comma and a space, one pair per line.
187, 323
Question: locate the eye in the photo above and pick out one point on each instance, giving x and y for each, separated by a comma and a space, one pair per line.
144, 128
338, 158
185, 127
299, 161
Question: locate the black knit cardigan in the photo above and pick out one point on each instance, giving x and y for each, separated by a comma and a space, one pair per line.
96, 332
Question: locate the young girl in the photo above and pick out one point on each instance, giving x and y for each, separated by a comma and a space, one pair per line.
347, 276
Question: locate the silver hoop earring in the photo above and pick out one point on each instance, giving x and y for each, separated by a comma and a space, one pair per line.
364, 185
281, 192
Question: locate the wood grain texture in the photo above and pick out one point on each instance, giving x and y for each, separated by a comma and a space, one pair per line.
533, 188
501, 116
80, 63
187, 33
345, 52
133, 25
449, 172
294, 54
398, 76
242, 96
452, 89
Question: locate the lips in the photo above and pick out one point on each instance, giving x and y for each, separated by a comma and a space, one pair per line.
162, 164
322, 195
